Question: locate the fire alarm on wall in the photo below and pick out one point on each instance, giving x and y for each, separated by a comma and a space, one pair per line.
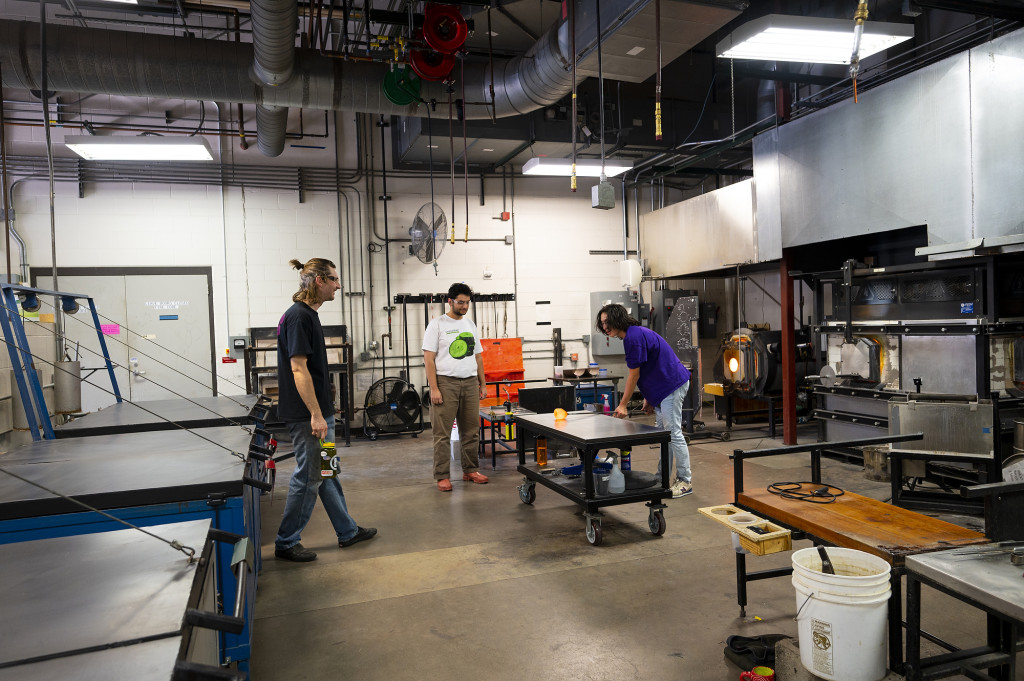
505, 216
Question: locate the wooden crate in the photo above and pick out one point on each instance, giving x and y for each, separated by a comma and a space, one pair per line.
766, 538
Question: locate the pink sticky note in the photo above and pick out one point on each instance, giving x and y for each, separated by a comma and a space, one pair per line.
110, 329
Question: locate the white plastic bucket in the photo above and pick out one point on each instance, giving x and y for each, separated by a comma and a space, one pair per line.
841, 618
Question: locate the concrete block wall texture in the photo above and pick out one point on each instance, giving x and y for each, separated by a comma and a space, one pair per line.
247, 237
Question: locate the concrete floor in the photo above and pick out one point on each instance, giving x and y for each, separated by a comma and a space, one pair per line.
474, 584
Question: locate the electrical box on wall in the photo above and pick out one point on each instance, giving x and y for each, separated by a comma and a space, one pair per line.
708, 323
600, 343
602, 195
236, 346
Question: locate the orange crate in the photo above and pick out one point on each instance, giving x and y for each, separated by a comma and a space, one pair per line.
503, 361
502, 354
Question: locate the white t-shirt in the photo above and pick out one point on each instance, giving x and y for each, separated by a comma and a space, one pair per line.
455, 341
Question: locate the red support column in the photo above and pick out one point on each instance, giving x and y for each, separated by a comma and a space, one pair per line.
788, 354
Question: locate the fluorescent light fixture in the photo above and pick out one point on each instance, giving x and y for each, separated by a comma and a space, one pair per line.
123, 2
141, 148
585, 167
778, 37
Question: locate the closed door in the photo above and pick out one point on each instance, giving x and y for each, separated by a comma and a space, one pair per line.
157, 329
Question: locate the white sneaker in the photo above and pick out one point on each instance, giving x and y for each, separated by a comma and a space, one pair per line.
681, 489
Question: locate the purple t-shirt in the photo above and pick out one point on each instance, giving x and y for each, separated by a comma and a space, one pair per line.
661, 372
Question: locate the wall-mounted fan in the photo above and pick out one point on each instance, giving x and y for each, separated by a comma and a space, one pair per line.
428, 233
392, 406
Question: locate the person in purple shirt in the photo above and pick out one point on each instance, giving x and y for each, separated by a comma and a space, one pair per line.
661, 378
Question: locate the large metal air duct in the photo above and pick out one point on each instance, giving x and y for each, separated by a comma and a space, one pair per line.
274, 24
99, 61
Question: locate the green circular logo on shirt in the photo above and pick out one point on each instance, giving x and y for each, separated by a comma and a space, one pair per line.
462, 346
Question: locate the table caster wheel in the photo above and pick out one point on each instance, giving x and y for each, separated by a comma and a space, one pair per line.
594, 532
527, 493
725, 436
656, 521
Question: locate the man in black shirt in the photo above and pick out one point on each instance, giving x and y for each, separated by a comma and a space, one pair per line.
304, 404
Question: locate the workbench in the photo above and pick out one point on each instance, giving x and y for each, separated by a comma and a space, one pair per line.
153, 415
983, 577
144, 478
589, 432
852, 521
113, 605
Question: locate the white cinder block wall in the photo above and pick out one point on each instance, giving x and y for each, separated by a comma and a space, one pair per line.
248, 235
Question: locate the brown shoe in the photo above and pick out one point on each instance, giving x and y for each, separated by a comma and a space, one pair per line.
478, 478
444, 485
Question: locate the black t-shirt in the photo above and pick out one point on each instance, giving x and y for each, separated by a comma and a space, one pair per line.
299, 333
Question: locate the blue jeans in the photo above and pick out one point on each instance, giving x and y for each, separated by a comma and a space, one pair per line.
669, 415
306, 485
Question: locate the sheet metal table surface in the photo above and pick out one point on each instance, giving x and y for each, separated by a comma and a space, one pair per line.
106, 606
118, 471
589, 432
143, 478
987, 581
150, 415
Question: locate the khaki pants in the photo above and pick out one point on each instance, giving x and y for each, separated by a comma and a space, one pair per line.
462, 405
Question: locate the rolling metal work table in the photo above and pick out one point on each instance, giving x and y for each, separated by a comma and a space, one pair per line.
151, 415
588, 432
113, 605
981, 576
143, 478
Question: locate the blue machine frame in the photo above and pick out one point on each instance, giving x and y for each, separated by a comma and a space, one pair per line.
235, 513
21, 359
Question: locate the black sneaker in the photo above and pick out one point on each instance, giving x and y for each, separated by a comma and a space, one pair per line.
297, 553
362, 534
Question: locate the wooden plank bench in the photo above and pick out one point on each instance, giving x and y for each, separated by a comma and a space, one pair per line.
862, 523
852, 521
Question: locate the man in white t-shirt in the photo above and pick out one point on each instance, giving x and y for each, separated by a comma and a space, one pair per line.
455, 372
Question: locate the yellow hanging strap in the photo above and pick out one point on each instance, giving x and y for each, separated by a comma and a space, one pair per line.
657, 120
466, 238
572, 181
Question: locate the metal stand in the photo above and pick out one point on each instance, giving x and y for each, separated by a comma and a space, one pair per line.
21, 358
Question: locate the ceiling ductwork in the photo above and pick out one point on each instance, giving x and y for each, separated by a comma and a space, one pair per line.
274, 24
98, 61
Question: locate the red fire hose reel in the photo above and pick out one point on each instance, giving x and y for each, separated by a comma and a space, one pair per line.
444, 31
431, 65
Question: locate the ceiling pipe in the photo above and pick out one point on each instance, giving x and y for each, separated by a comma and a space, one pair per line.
101, 61
274, 24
